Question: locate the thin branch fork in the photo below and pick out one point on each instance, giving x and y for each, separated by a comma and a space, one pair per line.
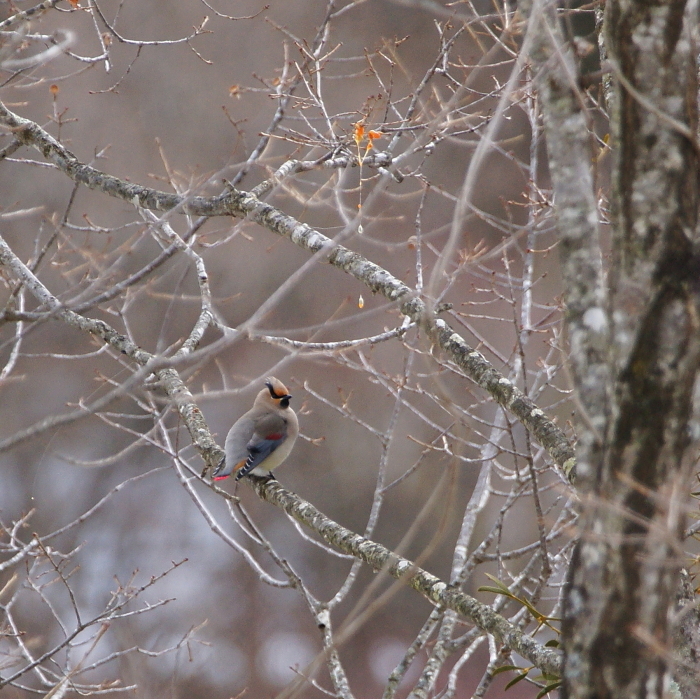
169, 378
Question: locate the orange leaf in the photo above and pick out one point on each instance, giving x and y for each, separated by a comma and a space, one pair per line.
359, 133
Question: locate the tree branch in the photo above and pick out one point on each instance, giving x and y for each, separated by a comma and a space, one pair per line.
379, 280
431, 587
168, 377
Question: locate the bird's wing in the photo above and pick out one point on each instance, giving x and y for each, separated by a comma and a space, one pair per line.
270, 432
236, 447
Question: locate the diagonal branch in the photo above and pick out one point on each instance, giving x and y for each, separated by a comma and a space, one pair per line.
379, 280
169, 378
431, 587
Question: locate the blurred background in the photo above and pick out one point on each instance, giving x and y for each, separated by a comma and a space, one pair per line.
133, 96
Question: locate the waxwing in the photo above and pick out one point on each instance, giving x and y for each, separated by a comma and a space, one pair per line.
262, 439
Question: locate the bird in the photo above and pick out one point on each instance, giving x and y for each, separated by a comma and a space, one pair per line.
263, 438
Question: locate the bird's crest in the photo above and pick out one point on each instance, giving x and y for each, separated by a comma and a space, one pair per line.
278, 392
277, 389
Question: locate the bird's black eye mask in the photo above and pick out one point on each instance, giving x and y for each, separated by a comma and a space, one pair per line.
283, 398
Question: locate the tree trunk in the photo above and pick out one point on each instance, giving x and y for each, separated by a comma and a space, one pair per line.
625, 573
